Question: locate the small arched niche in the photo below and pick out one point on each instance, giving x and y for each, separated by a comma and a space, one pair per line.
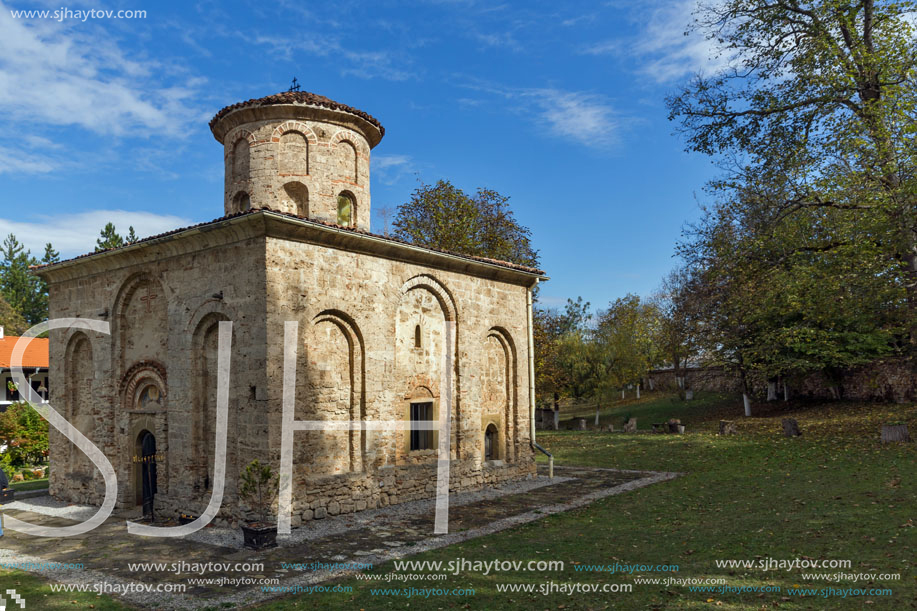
296, 197
294, 154
241, 202
241, 154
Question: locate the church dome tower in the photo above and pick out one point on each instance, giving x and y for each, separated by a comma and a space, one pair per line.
299, 153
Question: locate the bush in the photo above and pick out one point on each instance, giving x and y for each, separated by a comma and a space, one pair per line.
27, 475
258, 487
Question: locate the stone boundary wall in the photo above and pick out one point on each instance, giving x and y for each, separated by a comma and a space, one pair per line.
891, 380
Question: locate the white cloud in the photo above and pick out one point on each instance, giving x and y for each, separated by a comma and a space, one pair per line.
389, 169
580, 116
586, 118
75, 74
665, 48
75, 234
17, 161
362, 64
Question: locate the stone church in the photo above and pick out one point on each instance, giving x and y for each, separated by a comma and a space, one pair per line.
294, 244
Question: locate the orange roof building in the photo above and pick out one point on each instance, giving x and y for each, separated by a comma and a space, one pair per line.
35, 357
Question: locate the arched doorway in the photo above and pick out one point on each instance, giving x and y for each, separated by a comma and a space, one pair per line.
145, 471
490, 442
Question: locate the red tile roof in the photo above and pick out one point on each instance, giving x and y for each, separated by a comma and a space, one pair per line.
506, 264
36, 352
297, 97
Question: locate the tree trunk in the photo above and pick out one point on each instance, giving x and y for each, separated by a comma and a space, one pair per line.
638, 390
622, 394
791, 427
771, 390
652, 383
894, 432
786, 392
746, 402
596, 414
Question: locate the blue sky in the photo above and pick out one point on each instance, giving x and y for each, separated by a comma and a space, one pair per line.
558, 105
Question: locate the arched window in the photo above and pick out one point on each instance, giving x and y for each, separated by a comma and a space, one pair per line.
417, 336
490, 442
346, 209
242, 202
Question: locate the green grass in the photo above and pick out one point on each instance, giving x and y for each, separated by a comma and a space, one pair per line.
32, 484
835, 493
37, 595
651, 407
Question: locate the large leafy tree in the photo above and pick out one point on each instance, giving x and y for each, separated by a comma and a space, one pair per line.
626, 337
677, 330
445, 217
820, 97
560, 338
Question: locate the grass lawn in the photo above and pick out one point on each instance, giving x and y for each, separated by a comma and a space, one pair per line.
38, 595
835, 493
32, 484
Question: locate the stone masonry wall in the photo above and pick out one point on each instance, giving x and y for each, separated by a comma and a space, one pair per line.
298, 167
370, 342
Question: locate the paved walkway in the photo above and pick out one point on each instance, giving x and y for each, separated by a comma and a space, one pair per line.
374, 536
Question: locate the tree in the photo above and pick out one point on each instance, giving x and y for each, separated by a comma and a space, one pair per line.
625, 336
560, 340
131, 237
25, 434
677, 332
109, 238
12, 321
821, 99
445, 217
24, 291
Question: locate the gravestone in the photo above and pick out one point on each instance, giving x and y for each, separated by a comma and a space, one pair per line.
579, 424
728, 427
894, 432
791, 427
673, 424
630, 426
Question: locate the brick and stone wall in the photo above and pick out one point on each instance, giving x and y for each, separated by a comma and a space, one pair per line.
296, 165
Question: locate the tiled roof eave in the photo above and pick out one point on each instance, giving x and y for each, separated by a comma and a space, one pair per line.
401, 244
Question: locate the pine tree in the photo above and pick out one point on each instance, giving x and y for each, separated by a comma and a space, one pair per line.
109, 238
